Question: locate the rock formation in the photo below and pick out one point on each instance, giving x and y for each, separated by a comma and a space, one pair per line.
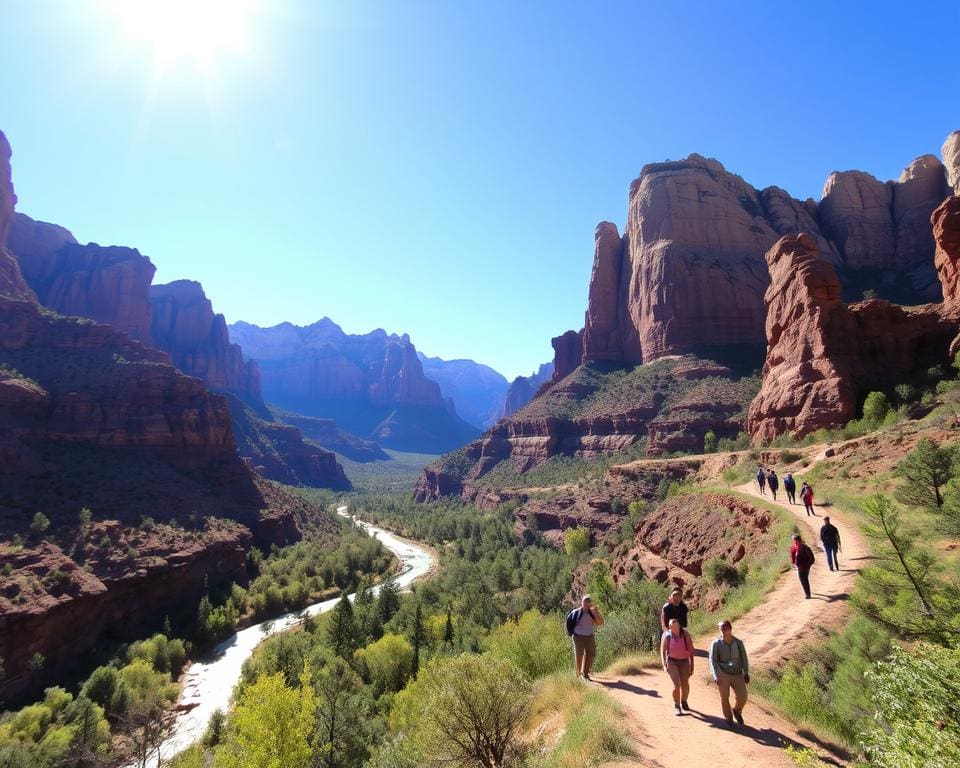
601, 333
185, 325
373, 385
477, 391
108, 284
524, 388
951, 160
567, 354
823, 355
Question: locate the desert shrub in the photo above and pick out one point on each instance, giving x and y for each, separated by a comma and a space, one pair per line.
536, 644
875, 407
710, 441
40, 524
576, 541
718, 571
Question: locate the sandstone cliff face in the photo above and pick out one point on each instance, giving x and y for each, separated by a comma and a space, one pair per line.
108, 284
185, 325
946, 231
11, 281
689, 272
951, 160
822, 354
373, 385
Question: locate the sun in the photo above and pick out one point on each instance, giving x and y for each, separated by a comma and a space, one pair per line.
185, 33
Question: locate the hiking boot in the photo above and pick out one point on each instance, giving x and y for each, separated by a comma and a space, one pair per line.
686, 707
739, 716
731, 725
677, 710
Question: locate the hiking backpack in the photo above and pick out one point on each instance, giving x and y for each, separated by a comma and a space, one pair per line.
572, 618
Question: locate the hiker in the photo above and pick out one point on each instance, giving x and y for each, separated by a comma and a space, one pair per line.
801, 556
806, 496
676, 653
730, 668
581, 624
761, 480
830, 539
790, 486
773, 483
674, 608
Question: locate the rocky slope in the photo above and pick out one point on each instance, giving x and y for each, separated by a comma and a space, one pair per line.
90, 417
326, 433
823, 355
373, 385
477, 391
523, 389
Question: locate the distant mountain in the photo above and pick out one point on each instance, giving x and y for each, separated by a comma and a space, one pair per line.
523, 388
373, 384
326, 434
476, 390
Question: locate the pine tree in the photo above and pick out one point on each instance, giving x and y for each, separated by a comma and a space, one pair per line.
419, 637
448, 629
925, 471
388, 601
342, 632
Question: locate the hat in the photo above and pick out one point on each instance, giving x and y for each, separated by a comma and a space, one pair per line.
586, 597
796, 536
827, 518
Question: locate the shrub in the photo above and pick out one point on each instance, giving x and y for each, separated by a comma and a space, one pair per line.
576, 541
718, 571
875, 407
536, 644
40, 524
710, 441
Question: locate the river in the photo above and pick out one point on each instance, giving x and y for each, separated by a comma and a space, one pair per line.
209, 682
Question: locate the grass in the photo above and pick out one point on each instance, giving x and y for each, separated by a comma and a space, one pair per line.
575, 726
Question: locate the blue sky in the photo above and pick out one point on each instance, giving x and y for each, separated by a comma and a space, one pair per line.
438, 168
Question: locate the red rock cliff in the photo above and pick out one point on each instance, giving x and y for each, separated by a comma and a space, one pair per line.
108, 284
185, 325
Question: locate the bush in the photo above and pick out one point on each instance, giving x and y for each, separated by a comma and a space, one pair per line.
536, 644
576, 541
718, 571
40, 524
875, 407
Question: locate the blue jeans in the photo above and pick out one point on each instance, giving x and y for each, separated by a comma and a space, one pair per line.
832, 560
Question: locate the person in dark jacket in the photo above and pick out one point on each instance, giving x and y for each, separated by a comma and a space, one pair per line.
773, 483
674, 608
830, 539
761, 480
801, 556
790, 486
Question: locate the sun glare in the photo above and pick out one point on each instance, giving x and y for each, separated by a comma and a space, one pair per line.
194, 33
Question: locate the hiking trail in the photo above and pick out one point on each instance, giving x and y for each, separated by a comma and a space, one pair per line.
781, 623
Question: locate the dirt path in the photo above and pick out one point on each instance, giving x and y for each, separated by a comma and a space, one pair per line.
781, 623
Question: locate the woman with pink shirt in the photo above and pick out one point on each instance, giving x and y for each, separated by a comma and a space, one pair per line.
677, 652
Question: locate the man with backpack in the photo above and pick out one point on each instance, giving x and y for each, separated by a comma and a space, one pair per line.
806, 496
761, 480
772, 483
730, 668
674, 608
581, 624
802, 558
790, 486
830, 539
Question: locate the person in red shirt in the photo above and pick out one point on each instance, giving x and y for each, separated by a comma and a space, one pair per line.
801, 556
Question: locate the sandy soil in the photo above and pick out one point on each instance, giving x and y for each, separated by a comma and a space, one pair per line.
782, 622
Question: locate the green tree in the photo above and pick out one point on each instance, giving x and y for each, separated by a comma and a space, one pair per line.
40, 524
388, 600
101, 687
576, 541
917, 709
419, 638
900, 589
600, 584
387, 663
147, 694
270, 726
448, 629
925, 472
710, 441
875, 407
91, 732
341, 718
342, 631
467, 710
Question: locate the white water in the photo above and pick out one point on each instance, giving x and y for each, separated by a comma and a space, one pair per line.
209, 681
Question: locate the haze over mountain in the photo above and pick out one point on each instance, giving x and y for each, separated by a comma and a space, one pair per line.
477, 390
372, 384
